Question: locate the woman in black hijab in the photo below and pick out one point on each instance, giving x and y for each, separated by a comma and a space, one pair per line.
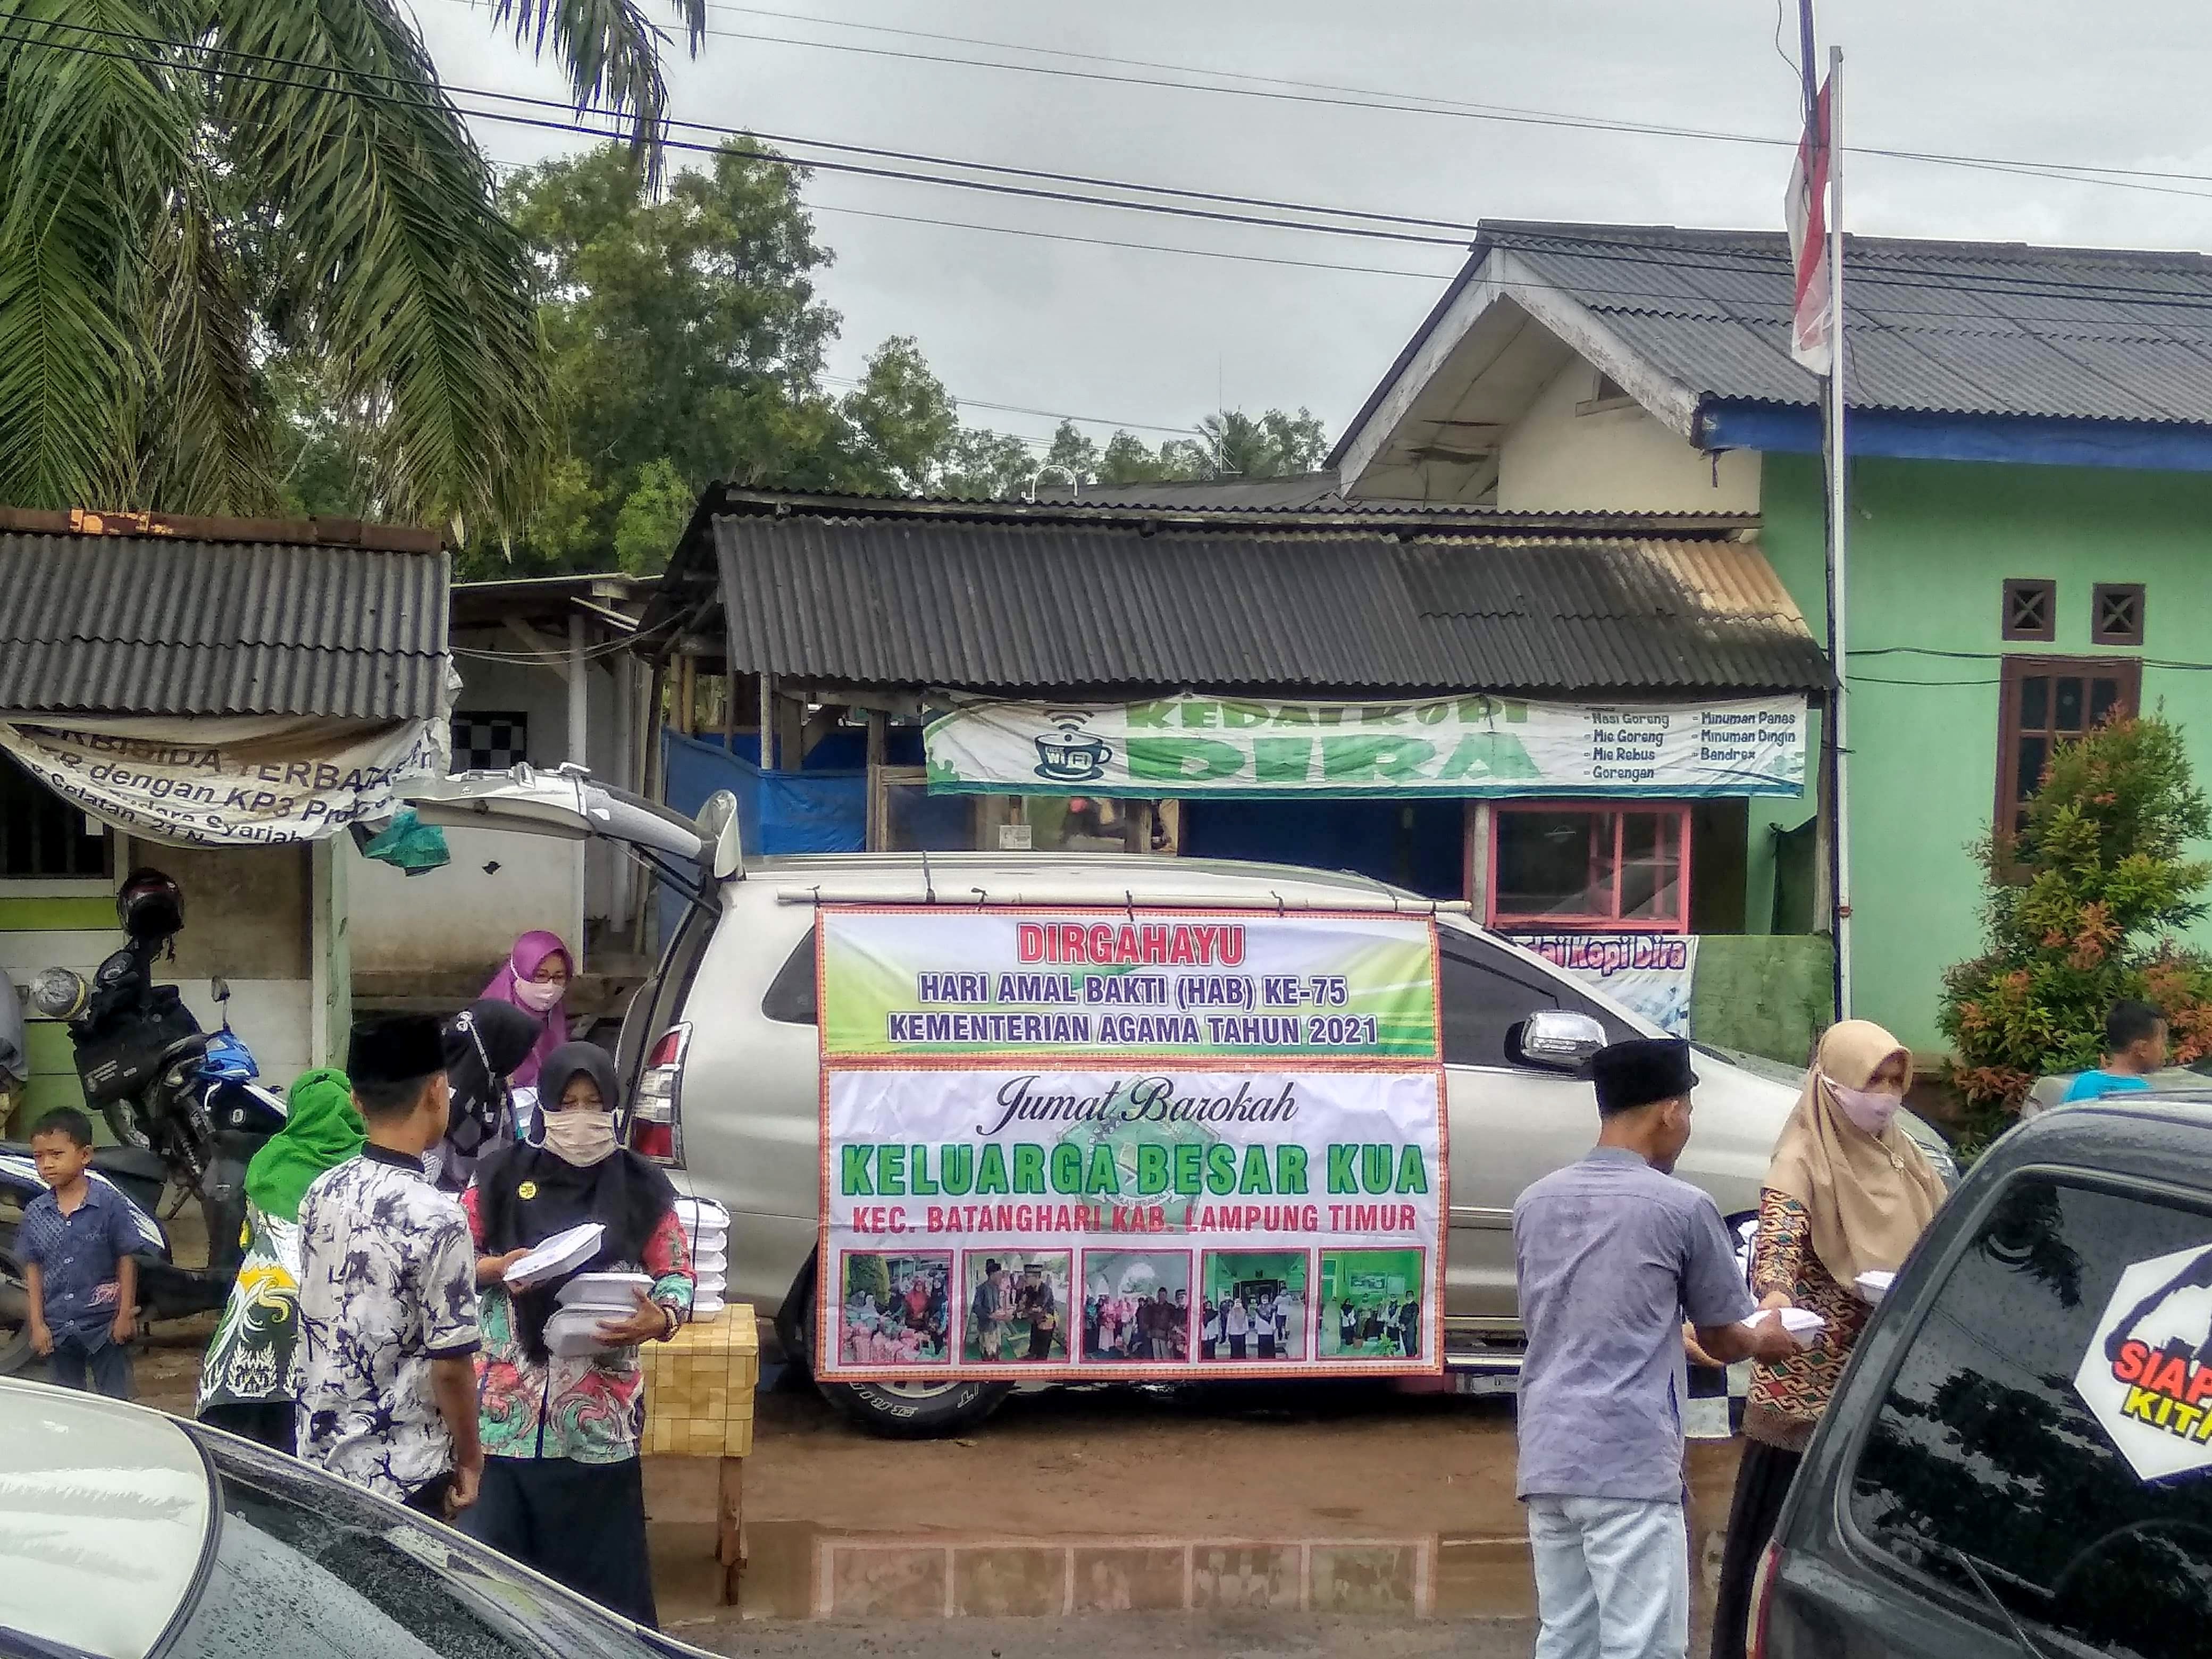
484, 1043
562, 1486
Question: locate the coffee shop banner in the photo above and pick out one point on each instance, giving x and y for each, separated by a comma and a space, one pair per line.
1475, 745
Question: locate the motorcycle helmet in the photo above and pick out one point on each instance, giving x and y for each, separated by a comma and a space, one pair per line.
59, 994
150, 906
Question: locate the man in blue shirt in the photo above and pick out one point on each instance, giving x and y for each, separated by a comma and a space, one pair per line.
77, 1239
1610, 1255
2135, 1047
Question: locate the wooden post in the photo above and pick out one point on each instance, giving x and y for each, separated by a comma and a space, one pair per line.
791, 731
687, 693
1136, 834
730, 1526
767, 723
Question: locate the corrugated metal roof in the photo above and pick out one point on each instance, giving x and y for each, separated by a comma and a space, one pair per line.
174, 625
911, 599
1974, 328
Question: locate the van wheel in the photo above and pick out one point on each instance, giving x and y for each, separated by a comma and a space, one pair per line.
909, 1411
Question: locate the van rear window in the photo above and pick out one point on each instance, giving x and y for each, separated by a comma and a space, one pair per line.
791, 999
1986, 1460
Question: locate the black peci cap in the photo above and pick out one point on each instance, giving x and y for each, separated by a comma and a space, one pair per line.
400, 1049
1640, 1071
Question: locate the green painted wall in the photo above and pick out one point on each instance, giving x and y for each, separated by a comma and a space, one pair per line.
1931, 544
1765, 994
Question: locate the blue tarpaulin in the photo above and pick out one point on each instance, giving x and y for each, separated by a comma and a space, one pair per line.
812, 811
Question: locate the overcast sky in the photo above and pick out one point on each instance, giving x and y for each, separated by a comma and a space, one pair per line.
1135, 336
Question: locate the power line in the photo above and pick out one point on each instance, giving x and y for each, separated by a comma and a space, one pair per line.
569, 123
1319, 94
814, 206
570, 116
1146, 247
1424, 103
1049, 414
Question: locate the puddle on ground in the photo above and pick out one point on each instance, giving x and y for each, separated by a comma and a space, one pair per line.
797, 1570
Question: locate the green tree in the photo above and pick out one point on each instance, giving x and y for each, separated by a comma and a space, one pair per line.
1129, 459
905, 423
1228, 444
1073, 453
2079, 909
168, 219
985, 465
652, 517
684, 326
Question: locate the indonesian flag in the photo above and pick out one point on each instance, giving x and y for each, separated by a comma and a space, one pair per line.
1812, 321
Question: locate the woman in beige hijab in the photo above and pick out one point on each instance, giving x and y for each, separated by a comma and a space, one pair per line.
1846, 1193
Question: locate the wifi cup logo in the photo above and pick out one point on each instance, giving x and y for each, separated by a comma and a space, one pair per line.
1068, 754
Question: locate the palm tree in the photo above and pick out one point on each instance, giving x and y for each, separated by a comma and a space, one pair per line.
189, 188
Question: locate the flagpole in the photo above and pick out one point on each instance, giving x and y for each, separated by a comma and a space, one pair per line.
1839, 586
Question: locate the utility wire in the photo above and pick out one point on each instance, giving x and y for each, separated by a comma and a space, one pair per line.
1424, 103
1050, 414
1607, 249
569, 118
2082, 173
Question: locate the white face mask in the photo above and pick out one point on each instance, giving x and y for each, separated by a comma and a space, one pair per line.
535, 997
579, 1136
1869, 1109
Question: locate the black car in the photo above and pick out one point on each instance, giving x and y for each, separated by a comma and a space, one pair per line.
2019, 1459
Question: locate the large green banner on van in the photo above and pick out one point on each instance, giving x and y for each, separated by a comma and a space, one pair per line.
918, 980
1061, 1141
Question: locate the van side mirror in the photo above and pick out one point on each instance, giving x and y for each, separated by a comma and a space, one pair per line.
1557, 1040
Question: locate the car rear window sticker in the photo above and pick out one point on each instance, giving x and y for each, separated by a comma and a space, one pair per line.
2148, 1374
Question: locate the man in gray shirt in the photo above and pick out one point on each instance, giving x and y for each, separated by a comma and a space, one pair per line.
1610, 1255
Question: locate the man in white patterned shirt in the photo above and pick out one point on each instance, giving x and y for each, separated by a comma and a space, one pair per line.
387, 1291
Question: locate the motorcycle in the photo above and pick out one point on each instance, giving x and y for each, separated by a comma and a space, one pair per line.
182, 1104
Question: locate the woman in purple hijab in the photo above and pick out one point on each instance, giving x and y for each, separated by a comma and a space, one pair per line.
535, 981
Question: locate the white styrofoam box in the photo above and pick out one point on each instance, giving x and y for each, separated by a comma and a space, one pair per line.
697, 1212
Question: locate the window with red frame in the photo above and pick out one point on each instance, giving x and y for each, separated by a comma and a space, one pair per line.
1595, 866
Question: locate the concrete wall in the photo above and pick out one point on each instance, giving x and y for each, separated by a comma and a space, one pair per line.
248, 918
543, 694
468, 914
1931, 544
1618, 458
498, 885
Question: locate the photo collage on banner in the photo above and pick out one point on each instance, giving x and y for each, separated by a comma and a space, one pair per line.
1129, 1144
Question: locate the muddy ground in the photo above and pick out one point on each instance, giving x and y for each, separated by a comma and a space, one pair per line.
1122, 1523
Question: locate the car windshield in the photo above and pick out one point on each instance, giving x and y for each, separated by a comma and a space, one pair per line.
2039, 1438
307, 1568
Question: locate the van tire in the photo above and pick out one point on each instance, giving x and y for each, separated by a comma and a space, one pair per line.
909, 1411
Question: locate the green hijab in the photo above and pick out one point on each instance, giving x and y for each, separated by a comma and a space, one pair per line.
324, 1130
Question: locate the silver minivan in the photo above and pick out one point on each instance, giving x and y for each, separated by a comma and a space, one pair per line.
722, 1050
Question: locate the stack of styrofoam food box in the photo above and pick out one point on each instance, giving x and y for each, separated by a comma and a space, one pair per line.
707, 1225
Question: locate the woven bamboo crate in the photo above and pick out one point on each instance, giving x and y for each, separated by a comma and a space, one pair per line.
699, 1387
